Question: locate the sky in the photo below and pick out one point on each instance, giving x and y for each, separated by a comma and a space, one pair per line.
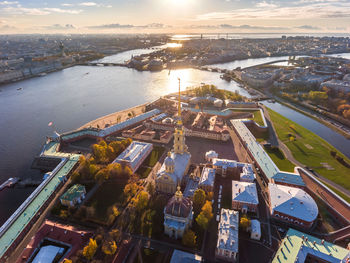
174, 16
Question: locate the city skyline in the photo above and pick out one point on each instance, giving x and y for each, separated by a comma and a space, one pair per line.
174, 16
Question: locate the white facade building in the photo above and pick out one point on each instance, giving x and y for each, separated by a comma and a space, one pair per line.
227, 244
244, 197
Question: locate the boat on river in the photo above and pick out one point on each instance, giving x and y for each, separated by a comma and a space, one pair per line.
9, 183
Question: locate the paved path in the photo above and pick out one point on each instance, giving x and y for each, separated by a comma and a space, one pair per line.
288, 154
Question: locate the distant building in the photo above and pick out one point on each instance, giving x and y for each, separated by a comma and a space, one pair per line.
207, 179
134, 155
292, 205
184, 257
244, 197
224, 166
73, 195
337, 85
178, 215
255, 229
227, 244
300, 247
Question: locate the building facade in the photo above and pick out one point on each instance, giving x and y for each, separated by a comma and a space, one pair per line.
178, 215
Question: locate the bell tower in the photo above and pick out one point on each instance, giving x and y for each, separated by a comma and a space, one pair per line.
180, 146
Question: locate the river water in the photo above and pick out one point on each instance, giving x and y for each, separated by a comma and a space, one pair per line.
74, 96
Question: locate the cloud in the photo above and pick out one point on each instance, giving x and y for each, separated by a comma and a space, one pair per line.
240, 27
88, 4
20, 10
127, 26
67, 4
8, 2
265, 4
60, 27
297, 10
308, 27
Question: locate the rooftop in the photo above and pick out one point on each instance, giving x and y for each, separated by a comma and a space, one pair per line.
134, 153
244, 192
184, 257
263, 159
296, 246
293, 201
207, 177
181, 161
228, 230
73, 192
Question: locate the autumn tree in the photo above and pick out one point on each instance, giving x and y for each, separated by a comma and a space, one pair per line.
207, 210
198, 200
146, 222
189, 238
141, 201
109, 247
202, 221
102, 175
115, 234
244, 222
90, 249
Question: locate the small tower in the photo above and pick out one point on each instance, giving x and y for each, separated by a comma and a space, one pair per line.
169, 164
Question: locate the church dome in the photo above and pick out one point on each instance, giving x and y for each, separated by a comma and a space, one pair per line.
169, 161
179, 206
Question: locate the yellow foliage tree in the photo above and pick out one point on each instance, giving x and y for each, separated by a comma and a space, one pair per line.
244, 222
189, 238
90, 249
109, 247
198, 200
207, 210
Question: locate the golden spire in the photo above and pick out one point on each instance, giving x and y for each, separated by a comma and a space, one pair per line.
178, 194
179, 103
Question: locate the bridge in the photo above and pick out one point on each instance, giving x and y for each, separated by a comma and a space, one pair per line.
103, 64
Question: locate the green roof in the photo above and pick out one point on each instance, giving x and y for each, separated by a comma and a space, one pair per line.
14, 226
297, 245
74, 192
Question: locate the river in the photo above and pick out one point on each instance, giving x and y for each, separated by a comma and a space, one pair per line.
76, 95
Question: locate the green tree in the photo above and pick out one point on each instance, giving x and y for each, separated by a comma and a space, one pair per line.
90, 249
146, 222
189, 238
198, 200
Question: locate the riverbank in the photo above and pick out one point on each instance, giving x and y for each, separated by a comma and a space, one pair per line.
321, 120
311, 150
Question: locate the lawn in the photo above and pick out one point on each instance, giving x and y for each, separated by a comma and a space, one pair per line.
258, 118
154, 156
311, 150
107, 195
280, 160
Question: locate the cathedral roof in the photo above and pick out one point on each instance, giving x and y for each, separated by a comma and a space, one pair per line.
169, 161
179, 206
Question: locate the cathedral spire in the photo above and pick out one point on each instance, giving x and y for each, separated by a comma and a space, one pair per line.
179, 103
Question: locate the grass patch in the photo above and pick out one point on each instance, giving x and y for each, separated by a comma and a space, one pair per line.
279, 159
311, 150
154, 156
258, 118
108, 194
143, 172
